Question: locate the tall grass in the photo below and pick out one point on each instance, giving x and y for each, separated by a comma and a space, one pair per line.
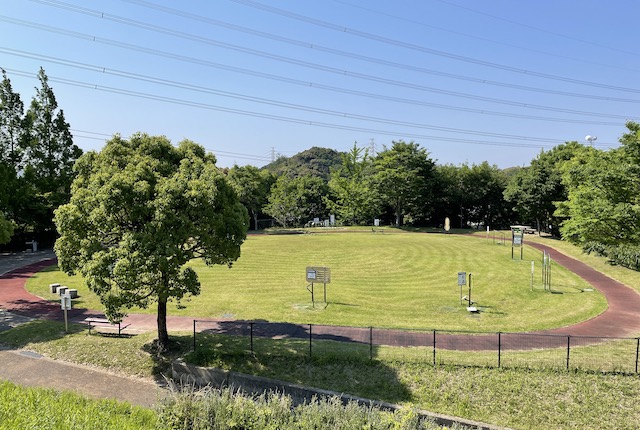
226, 409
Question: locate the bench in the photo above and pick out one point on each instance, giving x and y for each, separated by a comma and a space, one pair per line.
104, 323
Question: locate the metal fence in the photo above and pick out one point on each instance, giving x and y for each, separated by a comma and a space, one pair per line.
437, 347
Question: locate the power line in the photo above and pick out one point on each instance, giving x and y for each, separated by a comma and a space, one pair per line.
308, 84
554, 33
497, 42
301, 108
301, 121
423, 49
317, 47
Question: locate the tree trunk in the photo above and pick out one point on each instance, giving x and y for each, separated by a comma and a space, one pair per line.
255, 221
163, 335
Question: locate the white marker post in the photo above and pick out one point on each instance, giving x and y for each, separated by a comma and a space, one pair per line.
532, 270
65, 304
462, 280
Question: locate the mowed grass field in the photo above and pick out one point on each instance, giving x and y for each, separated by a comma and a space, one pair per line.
392, 279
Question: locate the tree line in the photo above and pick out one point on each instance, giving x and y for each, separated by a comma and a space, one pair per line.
37, 155
588, 196
401, 185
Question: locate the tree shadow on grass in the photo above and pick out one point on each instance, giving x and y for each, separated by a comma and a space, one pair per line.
179, 345
37, 331
331, 362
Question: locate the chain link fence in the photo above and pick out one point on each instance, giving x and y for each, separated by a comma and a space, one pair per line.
437, 347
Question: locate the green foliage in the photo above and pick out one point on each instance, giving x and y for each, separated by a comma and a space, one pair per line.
11, 126
603, 203
535, 190
354, 197
140, 210
252, 186
6, 229
294, 201
37, 408
36, 158
316, 162
472, 194
624, 255
404, 177
49, 157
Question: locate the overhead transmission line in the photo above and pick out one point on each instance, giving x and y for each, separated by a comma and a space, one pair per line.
424, 49
317, 47
215, 151
312, 122
202, 89
207, 63
554, 33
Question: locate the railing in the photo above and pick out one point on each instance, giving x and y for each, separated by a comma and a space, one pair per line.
438, 347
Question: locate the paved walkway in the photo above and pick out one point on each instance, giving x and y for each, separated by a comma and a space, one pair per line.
33, 370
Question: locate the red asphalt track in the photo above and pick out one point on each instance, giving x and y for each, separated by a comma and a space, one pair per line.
621, 319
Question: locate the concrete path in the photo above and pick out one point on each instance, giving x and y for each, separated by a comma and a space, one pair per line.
33, 370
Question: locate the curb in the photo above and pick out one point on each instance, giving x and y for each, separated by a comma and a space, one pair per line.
184, 373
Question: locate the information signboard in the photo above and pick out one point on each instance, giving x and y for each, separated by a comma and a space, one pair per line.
462, 278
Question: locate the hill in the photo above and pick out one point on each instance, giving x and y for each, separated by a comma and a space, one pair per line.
315, 161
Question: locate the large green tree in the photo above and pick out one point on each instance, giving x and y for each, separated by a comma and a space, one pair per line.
354, 197
11, 134
535, 190
405, 180
481, 195
294, 201
252, 186
603, 204
140, 210
49, 154
11, 123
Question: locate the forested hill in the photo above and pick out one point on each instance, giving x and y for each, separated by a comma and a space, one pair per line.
314, 162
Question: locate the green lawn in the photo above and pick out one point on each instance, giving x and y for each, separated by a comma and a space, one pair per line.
37, 408
391, 279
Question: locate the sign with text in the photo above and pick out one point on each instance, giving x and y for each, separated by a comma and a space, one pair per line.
462, 278
318, 274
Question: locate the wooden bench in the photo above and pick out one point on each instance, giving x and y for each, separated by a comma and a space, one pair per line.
95, 323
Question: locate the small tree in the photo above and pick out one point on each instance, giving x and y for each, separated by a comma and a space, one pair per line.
140, 210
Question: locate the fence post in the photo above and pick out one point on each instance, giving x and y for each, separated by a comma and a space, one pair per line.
434, 348
371, 343
637, 352
568, 349
251, 334
499, 348
194, 336
310, 335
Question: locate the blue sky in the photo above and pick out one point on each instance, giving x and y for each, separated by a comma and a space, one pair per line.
470, 81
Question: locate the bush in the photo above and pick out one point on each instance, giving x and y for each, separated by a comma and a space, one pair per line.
622, 255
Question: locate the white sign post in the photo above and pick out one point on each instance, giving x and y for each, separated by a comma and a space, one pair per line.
65, 304
462, 280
